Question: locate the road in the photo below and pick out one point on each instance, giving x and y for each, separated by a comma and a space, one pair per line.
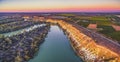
100, 39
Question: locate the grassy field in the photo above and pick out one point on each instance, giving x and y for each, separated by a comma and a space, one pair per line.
110, 32
99, 20
103, 23
117, 23
67, 15
84, 24
84, 17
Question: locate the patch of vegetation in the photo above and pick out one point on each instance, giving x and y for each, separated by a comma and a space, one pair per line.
115, 35
96, 18
100, 20
106, 29
1, 36
84, 24
110, 32
67, 15
103, 23
84, 17
118, 24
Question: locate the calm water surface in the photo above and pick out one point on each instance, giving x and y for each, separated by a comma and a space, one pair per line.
22, 30
56, 48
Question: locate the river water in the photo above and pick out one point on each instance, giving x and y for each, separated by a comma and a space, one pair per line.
56, 48
27, 29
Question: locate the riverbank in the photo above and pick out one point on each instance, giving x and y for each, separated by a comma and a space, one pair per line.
85, 46
56, 48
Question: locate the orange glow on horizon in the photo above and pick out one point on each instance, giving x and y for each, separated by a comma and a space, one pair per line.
60, 9
59, 6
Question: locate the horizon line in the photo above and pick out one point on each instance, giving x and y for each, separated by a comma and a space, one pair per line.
67, 12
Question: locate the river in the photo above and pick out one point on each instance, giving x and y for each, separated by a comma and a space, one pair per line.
56, 48
27, 29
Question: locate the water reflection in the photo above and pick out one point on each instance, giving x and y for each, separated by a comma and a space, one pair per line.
56, 48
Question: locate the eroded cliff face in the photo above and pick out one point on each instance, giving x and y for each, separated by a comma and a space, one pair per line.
85, 46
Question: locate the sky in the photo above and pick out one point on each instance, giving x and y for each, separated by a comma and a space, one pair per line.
59, 5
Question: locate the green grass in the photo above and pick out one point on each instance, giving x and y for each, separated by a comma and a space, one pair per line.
66, 14
110, 32
116, 23
100, 20
103, 23
1, 36
106, 29
84, 24
84, 17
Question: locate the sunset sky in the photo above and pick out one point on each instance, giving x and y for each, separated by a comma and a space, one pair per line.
59, 5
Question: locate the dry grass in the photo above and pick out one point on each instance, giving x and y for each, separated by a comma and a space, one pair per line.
117, 28
92, 26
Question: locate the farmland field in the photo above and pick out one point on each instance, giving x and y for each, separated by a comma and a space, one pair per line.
102, 23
